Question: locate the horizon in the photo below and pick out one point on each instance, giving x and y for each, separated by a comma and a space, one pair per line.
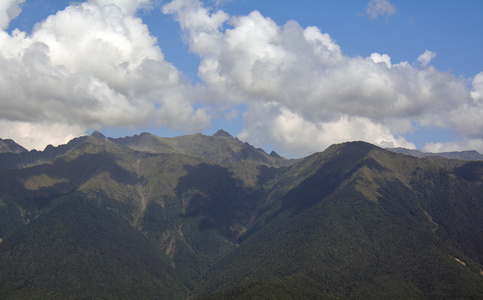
285, 76
96, 133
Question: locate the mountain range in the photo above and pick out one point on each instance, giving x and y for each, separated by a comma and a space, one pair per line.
464, 155
212, 217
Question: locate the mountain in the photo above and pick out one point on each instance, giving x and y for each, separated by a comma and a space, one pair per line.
213, 217
361, 223
21, 159
88, 251
9, 146
464, 155
221, 147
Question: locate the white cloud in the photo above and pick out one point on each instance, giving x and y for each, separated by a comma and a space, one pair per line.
203, 25
95, 64
376, 8
9, 10
384, 58
477, 93
297, 135
467, 120
426, 58
255, 61
304, 69
91, 65
31, 135
461, 145
128, 7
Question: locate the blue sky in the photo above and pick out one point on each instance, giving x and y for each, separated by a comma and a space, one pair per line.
290, 76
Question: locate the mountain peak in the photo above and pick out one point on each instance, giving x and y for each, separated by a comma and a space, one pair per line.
274, 154
360, 148
222, 133
98, 135
9, 145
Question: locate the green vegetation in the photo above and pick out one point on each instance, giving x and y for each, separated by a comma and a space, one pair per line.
79, 249
211, 217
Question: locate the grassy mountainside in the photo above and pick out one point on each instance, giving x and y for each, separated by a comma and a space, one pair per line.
196, 216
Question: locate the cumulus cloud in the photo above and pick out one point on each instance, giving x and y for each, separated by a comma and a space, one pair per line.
9, 10
426, 58
274, 124
462, 145
384, 58
95, 64
477, 93
300, 78
34, 135
466, 120
128, 7
89, 66
377, 8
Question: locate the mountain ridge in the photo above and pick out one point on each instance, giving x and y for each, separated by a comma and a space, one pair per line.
418, 214
230, 221
10, 146
464, 155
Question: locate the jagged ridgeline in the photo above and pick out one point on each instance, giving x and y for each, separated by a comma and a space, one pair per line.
196, 216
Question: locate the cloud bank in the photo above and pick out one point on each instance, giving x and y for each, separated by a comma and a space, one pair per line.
89, 66
96, 65
303, 93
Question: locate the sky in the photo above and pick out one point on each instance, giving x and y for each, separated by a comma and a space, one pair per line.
290, 76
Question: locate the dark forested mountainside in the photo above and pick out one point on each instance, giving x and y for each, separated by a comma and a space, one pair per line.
210, 216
